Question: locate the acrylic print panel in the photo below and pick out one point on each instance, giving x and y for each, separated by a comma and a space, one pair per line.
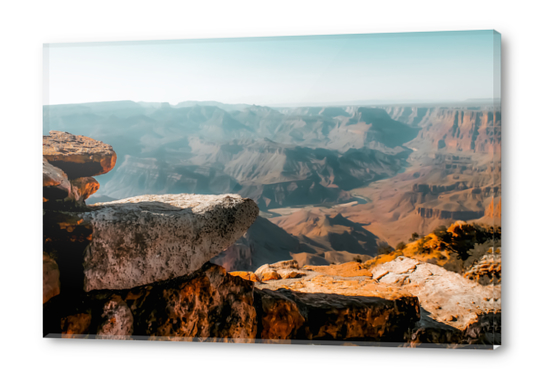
338, 189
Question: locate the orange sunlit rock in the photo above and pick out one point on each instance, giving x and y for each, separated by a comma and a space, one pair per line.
78, 156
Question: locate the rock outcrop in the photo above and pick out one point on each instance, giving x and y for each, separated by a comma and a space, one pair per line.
136, 268
280, 318
206, 305
55, 182
279, 270
493, 209
78, 156
146, 239
140, 268
337, 317
486, 271
84, 187
448, 215
447, 296
454, 129
427, 304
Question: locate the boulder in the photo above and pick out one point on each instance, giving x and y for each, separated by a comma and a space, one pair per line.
279, 270
57, 186
78, 156
82, 188
150, 238
55, 182
51, 278
207, 304
117, 320
354, 318
448, 297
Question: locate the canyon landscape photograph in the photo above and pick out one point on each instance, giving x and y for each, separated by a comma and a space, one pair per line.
335, 190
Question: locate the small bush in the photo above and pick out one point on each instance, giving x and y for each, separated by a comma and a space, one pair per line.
414, 237
384, 249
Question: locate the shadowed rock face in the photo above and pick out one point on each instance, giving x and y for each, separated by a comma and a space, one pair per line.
210, 304
280, 316
403, 301
78, 156
84, 187
326, 316
51, 278
357, 318
207, 304
146, 239
55, 182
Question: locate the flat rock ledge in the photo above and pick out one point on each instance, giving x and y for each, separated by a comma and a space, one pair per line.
78, 156
151, 238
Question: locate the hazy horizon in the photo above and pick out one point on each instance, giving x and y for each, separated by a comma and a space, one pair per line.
361, 103
368, 69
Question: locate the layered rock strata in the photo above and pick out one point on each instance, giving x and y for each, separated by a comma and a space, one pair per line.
78, 156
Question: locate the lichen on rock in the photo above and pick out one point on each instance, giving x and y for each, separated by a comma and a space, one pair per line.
146, 239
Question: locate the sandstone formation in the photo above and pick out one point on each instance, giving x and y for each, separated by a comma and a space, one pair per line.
454, 129
486, 271
211, 305
55, 182
355, 318
493, 209
78, 156
146, 239
84, 187
208, 304
452, 309
68, 191
140, 267
279, 270
247, 275
450, 298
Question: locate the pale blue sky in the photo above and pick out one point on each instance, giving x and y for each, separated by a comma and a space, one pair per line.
441, 66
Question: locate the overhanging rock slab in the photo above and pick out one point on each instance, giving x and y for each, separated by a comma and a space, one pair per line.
145, 239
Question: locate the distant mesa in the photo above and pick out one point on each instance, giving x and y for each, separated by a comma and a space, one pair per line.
326, 233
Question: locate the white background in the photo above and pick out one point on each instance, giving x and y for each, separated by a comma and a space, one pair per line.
25, 26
